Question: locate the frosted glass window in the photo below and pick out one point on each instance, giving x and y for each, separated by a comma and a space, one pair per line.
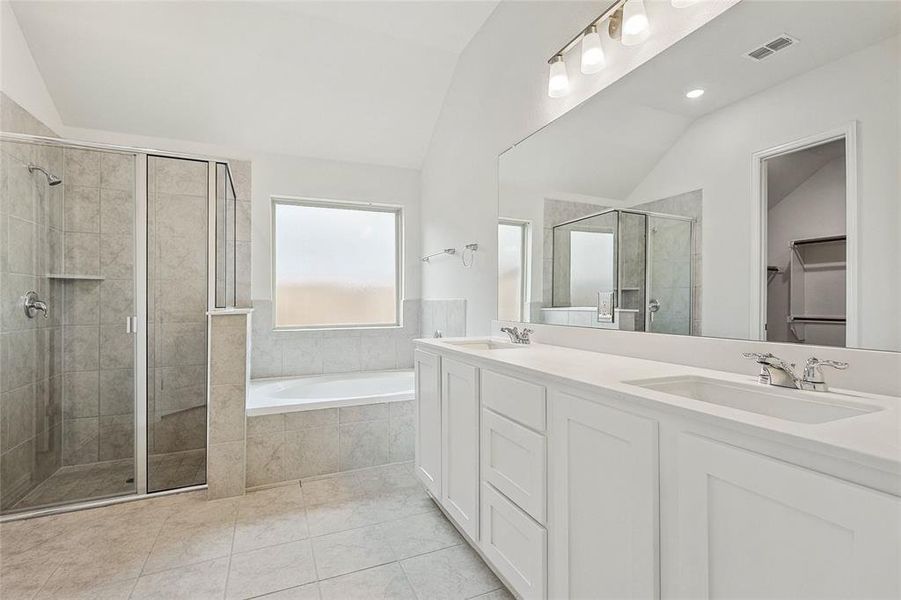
335, 266
511, 255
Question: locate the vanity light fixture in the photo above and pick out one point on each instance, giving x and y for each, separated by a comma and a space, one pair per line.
593, 59
558, 81
695, 93
627, 22
636, 27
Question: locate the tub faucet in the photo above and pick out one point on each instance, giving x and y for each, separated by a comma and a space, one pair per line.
517, 336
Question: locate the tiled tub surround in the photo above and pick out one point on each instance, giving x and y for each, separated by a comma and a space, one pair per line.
294, 445
445, 315
229, 336
290, 353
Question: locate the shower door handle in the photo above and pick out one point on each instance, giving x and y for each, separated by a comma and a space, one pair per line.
653, 307
131, 324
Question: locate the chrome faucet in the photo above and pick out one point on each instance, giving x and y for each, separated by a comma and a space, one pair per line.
517, 336
813, 378
776, 371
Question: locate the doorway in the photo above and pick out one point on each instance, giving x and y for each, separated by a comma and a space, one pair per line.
806, 205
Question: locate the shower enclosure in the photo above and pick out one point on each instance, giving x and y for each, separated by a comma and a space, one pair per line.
107, 271
624, 269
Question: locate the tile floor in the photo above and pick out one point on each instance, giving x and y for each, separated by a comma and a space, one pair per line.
369, 534
107, 479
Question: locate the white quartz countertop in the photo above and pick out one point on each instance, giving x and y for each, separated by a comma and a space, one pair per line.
873, 439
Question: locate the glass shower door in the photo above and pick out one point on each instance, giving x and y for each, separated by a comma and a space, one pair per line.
67, 408
669, 275
177, 299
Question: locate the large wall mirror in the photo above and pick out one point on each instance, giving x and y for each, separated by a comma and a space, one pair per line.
764, 208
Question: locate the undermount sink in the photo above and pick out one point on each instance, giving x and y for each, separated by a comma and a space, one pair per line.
788, 404
486, 345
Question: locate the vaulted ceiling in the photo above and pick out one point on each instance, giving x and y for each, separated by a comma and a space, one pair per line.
354, 81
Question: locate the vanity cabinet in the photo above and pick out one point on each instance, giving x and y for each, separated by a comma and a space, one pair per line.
751, 526
427, 446
460, 444
603, 495
570, 491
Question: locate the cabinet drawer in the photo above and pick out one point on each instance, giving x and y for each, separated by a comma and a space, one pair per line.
515, 544
519, 400
514, 461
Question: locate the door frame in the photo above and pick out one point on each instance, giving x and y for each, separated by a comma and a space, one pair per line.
758, 287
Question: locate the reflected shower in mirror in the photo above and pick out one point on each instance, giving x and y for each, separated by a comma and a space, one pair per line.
765, 208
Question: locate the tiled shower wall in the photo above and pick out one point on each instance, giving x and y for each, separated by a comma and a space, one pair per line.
98, 356
30, 349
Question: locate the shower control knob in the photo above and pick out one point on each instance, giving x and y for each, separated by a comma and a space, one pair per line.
33, 305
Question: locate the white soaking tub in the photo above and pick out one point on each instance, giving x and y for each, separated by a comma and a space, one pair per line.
291, 394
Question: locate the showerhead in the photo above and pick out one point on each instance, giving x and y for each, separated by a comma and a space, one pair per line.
51, 178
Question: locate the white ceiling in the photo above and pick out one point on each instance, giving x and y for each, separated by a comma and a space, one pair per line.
354, 81
605, 147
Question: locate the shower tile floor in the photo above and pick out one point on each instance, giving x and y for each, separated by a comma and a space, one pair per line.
108, 479
369, 534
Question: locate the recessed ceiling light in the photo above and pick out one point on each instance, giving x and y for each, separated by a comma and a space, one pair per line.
696, 93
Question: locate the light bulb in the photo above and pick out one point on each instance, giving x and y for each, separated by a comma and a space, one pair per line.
696, 93
593, 59
683, 3
557, 82
636, 27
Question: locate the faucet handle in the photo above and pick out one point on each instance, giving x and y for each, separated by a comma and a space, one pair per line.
760, 357
835, 364
813, 378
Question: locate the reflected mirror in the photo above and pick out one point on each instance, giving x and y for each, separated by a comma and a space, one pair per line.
766, 208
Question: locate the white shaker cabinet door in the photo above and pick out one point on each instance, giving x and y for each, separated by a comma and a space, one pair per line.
603, 501
460, 444
427, 367
751, 526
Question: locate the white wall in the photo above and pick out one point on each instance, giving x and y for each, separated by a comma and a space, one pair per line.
20, 78
714, 154
291, 176
498, 96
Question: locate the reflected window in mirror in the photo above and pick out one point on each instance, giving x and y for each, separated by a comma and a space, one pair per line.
512, 267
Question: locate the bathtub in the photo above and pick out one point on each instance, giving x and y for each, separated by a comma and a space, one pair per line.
291, 394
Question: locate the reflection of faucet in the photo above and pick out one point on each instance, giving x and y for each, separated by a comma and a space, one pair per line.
33, 304
517, 336
775, 371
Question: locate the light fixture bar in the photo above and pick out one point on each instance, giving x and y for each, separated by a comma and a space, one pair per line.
578, 37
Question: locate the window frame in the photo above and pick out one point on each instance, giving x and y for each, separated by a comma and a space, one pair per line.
526, 264
398, 211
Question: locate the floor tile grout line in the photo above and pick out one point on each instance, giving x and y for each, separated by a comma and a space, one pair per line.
231, 549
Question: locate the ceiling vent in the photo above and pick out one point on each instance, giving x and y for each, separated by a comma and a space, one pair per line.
773, 46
